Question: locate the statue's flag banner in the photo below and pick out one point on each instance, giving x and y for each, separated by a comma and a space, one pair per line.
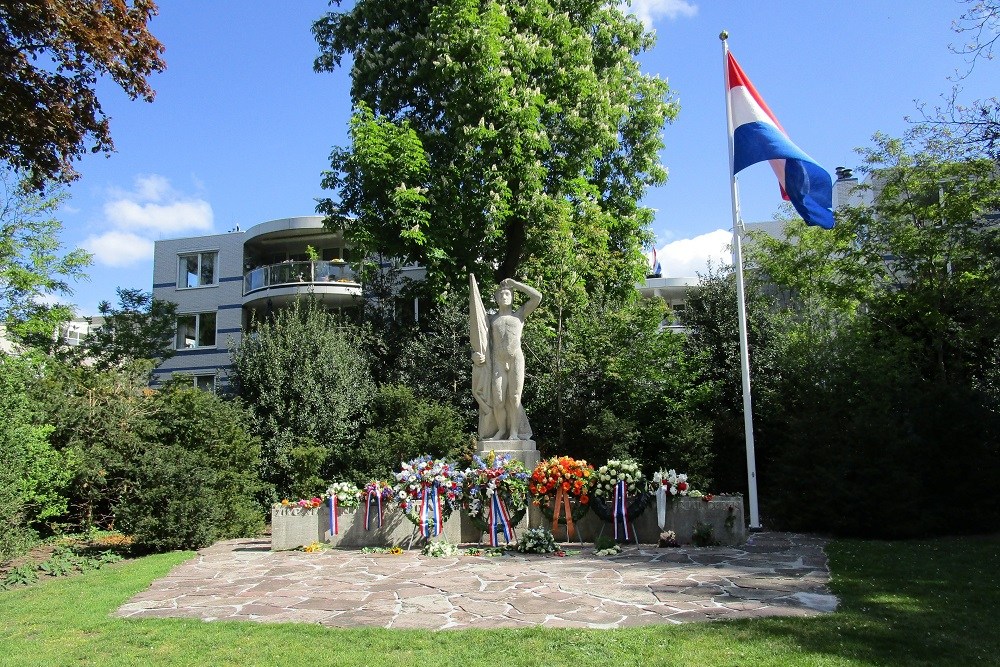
759, 137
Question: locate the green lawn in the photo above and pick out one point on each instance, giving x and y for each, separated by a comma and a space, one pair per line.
902, 603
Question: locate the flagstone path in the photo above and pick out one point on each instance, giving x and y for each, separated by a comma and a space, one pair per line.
774, 574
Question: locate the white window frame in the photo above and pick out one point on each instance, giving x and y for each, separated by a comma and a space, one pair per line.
197, 330
194, 380
181, 275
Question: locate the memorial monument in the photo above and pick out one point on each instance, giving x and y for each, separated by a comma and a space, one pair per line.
498, 370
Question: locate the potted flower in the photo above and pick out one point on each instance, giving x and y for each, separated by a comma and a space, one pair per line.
619, 494
428, 491
560, 487
376, 495
496, 489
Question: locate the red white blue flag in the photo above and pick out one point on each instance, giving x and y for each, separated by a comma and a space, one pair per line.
759, 137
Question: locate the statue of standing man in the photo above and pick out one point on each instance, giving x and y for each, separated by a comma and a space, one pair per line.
498, 361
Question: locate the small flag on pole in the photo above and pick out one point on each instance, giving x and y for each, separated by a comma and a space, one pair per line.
657, 270
758, 136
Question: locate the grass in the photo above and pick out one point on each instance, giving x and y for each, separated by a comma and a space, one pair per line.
902, 603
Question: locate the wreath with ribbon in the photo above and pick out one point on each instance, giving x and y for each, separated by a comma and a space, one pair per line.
620, 494
559, 484
428, 491
496, 489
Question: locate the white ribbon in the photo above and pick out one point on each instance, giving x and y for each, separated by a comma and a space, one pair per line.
661, 506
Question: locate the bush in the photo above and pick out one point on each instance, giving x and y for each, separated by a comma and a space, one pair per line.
306, 382
197, 481
33, 476
404, 427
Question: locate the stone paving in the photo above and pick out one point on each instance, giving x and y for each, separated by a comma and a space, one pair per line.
774, 574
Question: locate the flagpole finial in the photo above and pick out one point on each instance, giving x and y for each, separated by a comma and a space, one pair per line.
724, 35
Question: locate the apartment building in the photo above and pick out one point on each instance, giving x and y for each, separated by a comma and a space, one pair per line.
221, 282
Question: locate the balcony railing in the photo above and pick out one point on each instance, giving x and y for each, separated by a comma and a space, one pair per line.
296, 273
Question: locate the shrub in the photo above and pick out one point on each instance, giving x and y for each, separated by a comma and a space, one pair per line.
404, 427
33, 476
306, 382
197, 481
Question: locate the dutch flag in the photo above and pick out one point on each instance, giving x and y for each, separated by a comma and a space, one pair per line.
758, 136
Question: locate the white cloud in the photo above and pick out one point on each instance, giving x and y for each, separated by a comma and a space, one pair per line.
648, 11
152, 187
152, 209
178, 216
119, 248
687, 258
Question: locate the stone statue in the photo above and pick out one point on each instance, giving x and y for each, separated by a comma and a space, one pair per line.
498, 362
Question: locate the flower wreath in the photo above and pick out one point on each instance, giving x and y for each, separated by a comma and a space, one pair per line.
608, 477
428, 491
503, 477
571, 475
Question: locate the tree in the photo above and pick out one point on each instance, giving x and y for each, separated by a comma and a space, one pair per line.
975, 125
885, 366
303, 378
141, 327
33, 267
484, 131
51, 55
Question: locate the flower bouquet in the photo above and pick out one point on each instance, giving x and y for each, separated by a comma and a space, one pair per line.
341, 495
376, 495
667, 485
620, 494
560, 487
298, 507
673, 483
496, 489
428, 490
537, 541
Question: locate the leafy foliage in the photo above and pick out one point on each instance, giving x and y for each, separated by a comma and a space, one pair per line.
51, 55
141, 327
307, 384
197, 481
887, 353
482, 131
33, 475
404, 427
33, 266
102, 421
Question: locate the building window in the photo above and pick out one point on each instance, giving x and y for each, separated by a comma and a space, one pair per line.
197, 269
195, 330
205, 382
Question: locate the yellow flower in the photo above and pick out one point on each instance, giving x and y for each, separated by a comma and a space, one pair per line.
395, 551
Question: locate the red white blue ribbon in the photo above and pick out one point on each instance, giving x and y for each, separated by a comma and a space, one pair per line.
368, 508
430, 511
333, 514
499, 521
620, 510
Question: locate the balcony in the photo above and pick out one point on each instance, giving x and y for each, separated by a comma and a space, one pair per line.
332, 282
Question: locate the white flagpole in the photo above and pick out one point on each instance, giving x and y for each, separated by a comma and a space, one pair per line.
741, 302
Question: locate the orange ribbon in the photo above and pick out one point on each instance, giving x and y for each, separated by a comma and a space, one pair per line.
562, 507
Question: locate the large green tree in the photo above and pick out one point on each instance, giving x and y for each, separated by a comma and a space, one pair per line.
485, 132
885, 367
52, 53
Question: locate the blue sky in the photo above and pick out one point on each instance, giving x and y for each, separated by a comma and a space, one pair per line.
241, 128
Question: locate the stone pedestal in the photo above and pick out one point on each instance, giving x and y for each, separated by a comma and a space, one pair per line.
524, 451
